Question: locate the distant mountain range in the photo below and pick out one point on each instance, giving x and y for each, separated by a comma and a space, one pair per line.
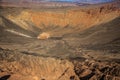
50, 3
77, 1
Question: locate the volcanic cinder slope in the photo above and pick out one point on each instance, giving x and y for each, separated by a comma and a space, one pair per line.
63, 43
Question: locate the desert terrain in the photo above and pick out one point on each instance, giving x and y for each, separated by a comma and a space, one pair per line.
71, 42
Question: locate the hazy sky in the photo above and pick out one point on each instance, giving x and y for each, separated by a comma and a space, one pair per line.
84, 1
91, 1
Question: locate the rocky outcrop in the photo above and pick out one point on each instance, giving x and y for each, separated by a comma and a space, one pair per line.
15, 65
96, 70
29, 67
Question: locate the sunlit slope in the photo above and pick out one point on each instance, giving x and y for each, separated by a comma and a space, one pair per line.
9, 26
74, 17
